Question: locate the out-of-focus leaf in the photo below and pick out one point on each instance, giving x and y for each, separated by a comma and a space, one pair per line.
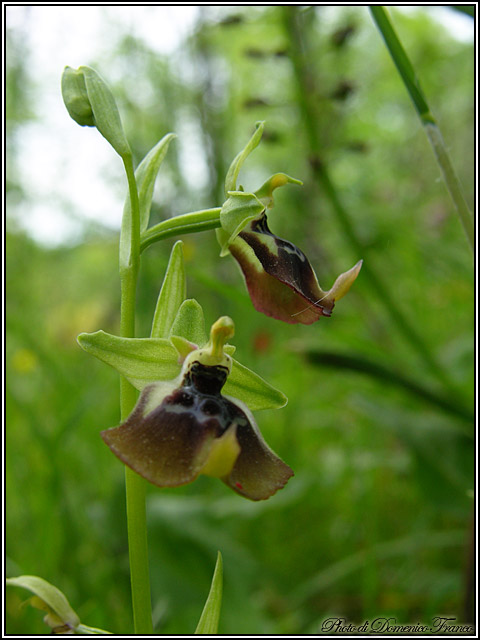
208, 623
52, 597
172, 293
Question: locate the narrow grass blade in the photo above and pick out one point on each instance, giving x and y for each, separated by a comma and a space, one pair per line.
208, 623
410, 79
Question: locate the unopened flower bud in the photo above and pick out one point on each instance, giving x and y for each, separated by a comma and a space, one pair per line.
75, 97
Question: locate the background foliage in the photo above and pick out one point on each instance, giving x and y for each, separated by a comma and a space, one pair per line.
377, 521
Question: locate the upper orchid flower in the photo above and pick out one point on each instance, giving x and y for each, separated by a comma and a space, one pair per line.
279, 277
185, 427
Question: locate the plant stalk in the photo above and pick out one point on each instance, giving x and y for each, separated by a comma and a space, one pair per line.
134, 484
194, 222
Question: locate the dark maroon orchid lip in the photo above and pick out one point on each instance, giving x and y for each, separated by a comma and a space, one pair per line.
280, 280
172, 443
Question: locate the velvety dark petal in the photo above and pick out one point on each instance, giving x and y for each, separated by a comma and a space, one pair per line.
280, 279
170, 444
274, 291
258, 472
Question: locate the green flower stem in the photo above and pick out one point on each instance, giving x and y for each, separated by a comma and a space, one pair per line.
412, 85
187, 223
135, 485
301, 56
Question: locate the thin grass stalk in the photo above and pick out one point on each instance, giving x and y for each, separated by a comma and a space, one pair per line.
412, 85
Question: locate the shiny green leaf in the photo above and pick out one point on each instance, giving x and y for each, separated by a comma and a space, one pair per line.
208, 623
171, 295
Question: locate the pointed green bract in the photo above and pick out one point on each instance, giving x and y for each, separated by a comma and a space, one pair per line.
50, 595
105, 111
190, 323
139, 360
234, 169
146, 175
172, 294
208, 623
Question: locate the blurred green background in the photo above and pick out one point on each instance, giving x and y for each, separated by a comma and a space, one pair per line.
377, 521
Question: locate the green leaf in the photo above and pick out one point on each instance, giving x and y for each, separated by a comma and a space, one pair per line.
234, 169
146, 175
140, 360
237, 211
171, 295
190, 323
50, 595
105, 111
208, 623
254, 391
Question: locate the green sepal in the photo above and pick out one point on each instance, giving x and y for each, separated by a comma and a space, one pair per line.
190, 323
75, 97
105, 111
237, 211
234, 169
208, 623
145, 360
57, 606
145, 176
140, 360
254, 391
265, 193
172, 294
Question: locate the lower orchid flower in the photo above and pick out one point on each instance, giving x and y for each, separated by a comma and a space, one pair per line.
185, 427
